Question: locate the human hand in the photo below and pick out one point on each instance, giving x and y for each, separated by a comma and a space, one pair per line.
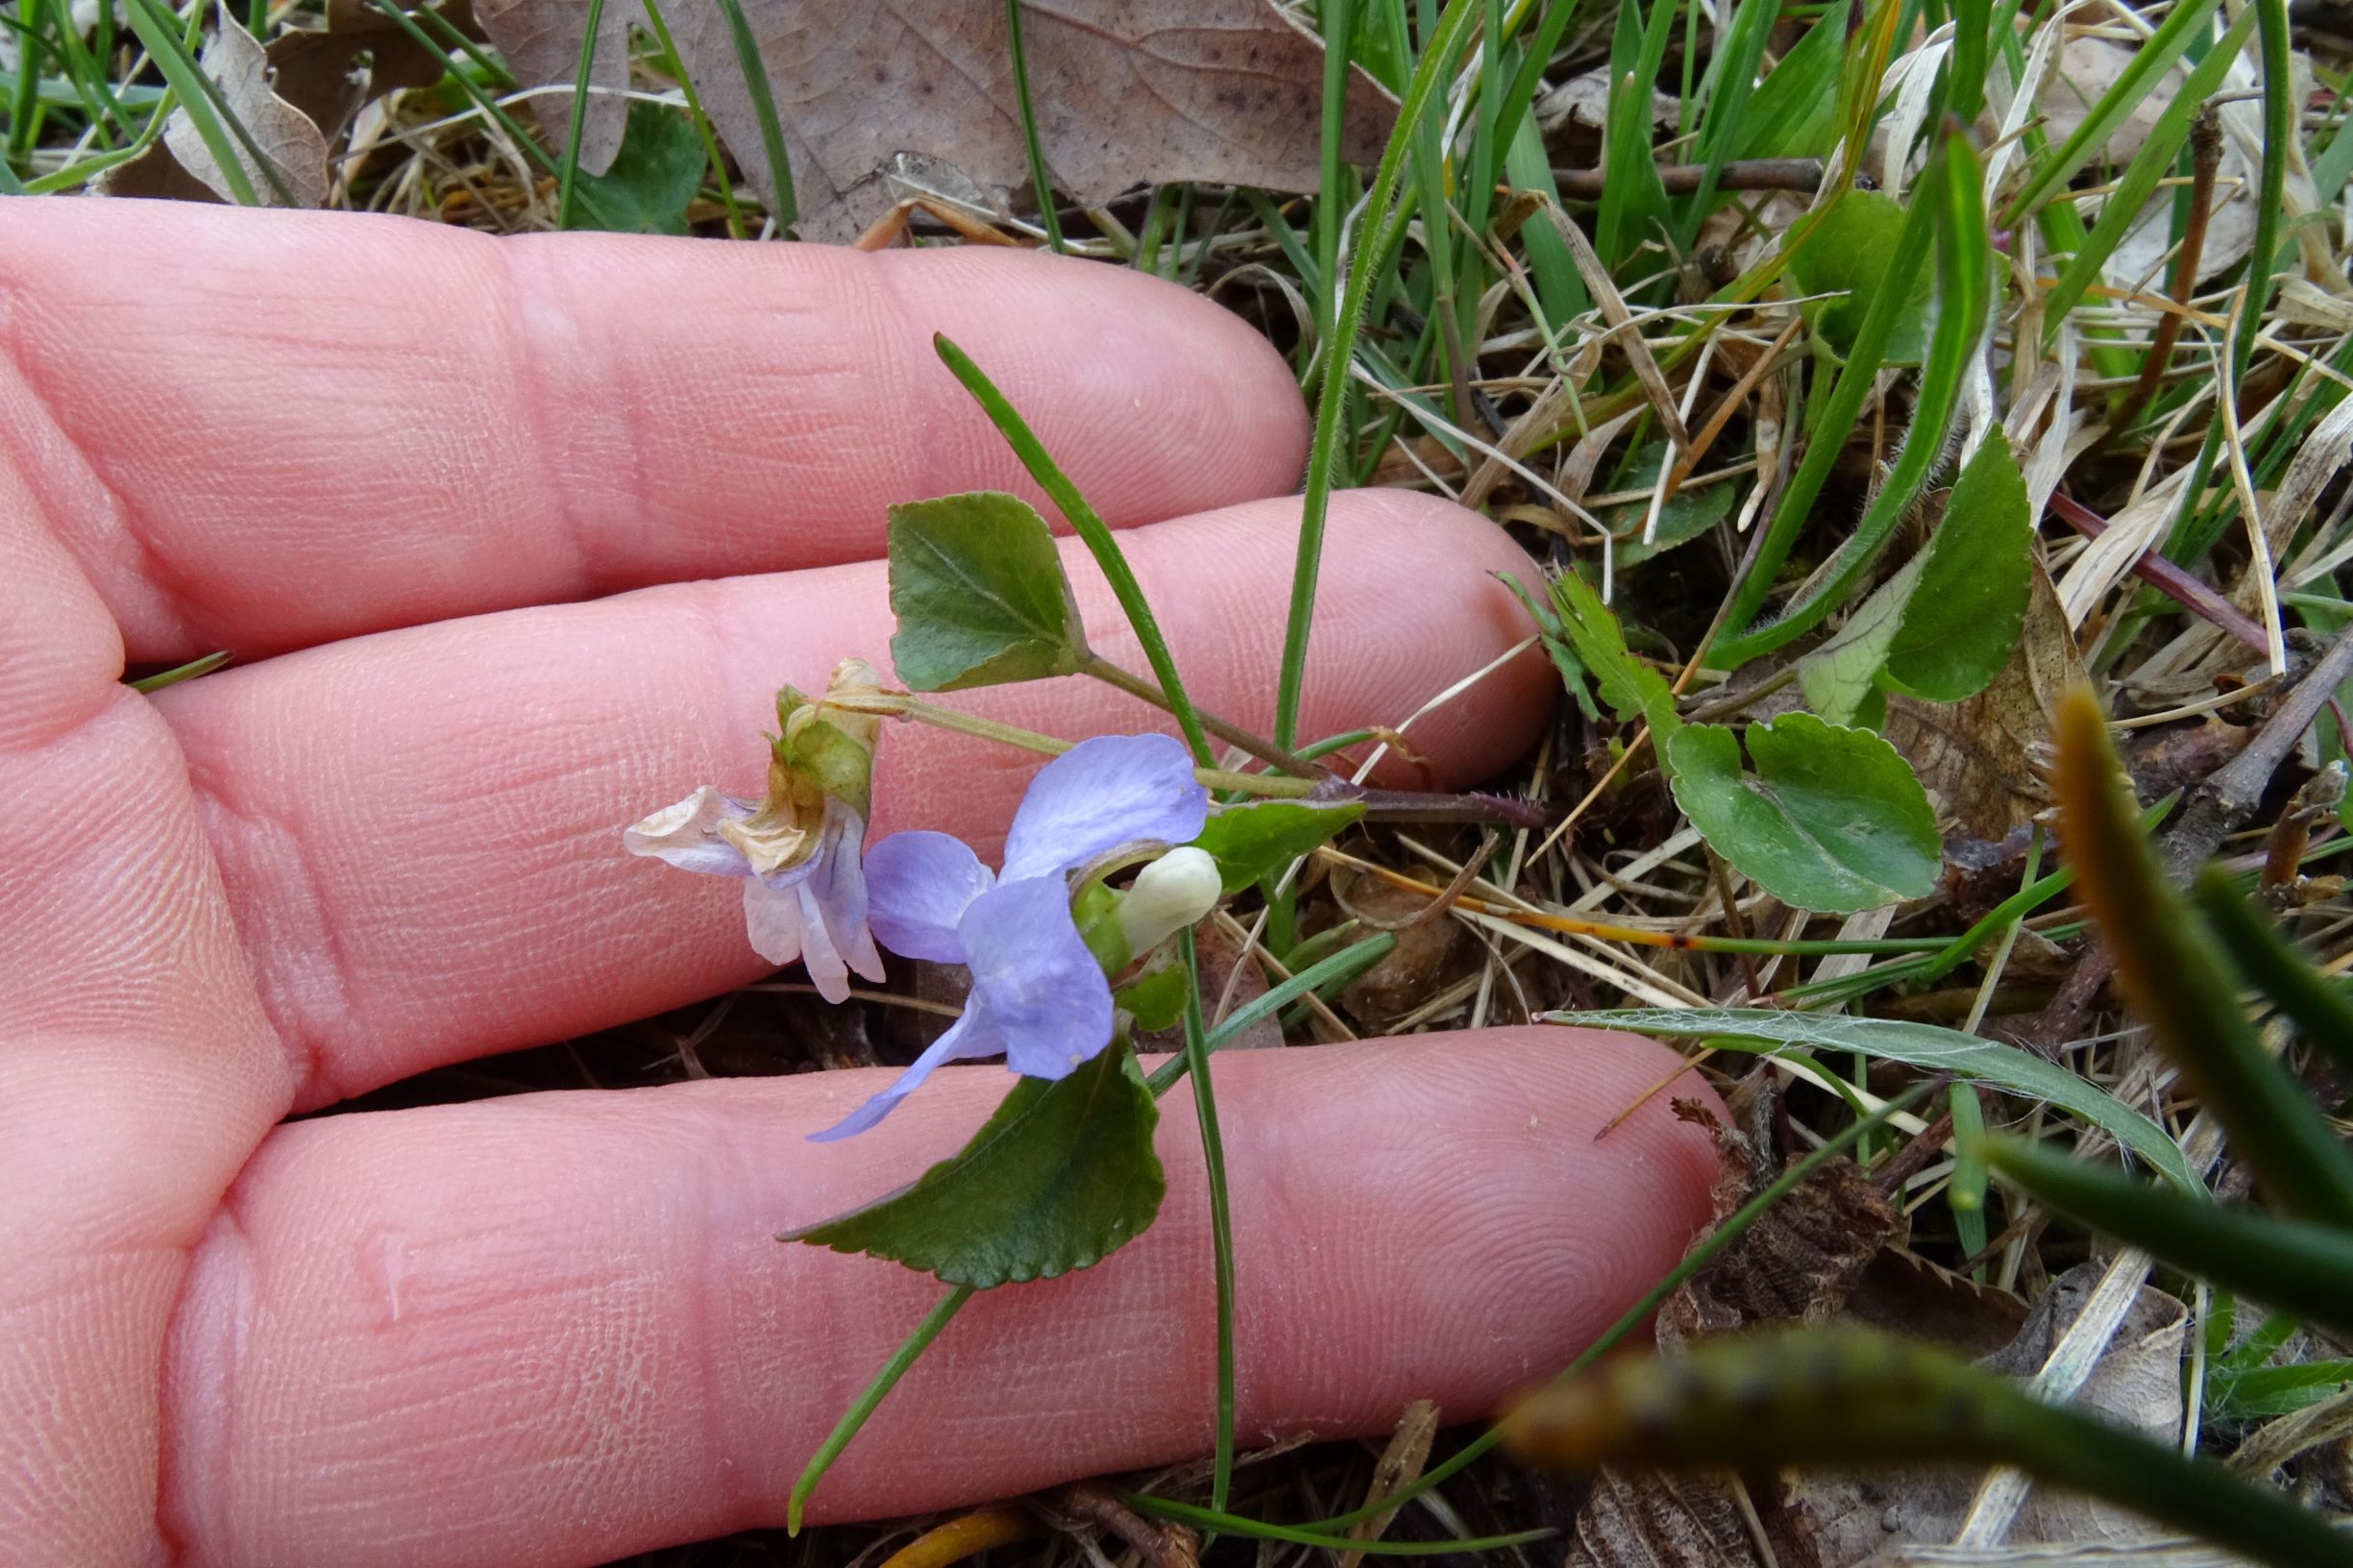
390, 466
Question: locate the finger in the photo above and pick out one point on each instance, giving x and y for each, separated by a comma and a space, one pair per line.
253, 443
554, 1328
421, 830
136, 1070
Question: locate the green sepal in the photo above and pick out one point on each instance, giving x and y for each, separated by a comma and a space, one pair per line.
1261, 839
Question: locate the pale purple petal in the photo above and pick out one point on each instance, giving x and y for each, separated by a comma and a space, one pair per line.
683, 835
1101, 794
1042, 991
918, 886
819, 909
967, 1038
773, 920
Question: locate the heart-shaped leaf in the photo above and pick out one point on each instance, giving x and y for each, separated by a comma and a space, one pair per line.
1963, 619
1058, 1178
980, 594
1831, 820
1846, 254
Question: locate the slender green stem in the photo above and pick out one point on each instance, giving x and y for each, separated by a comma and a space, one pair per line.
1374, 241
1639, 1314
568, 177
1226, 730
902, 706
702, 121
864, 1405
781, 210
1091, 528
1221, 1216
1044, 186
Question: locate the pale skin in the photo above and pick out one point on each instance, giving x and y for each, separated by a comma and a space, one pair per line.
513, 541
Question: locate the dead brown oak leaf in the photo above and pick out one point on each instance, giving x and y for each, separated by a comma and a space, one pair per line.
1125, 91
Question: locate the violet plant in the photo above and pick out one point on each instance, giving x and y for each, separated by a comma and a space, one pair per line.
1078, 943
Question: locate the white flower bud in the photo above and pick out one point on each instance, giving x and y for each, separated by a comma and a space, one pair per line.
1169, 894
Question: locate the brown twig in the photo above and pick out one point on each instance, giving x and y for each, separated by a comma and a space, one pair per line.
1803, 175
2221, 805
1089, 1503
2217, 807
2167, 578
2205, 161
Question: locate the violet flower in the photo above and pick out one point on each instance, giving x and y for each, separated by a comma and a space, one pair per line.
1039, 994
798, 849
804, 898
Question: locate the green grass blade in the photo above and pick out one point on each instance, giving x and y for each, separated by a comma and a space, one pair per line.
179, 672
781, 210
1374, 245
702, 121
2150, 165
24, 93
1030, 144
1090, 527
197, 93
2279, 131
568, 174
2175, 978
1337, 20
1954, 188
1633, 201
1966, 1196
2141, 75
1923, 1045
874, 1394
2295, 1266
1221, 1216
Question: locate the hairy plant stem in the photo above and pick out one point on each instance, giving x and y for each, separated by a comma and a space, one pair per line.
1386, 805
1226, 730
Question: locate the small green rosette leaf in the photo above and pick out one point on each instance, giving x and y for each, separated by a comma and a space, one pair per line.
1943, 627
652, 180
980, 594
1830, 820
1964, 618
1848, 255
1058, 1178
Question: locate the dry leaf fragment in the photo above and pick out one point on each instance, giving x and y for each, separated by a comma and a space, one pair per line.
1125, 91
320, 70
294, 146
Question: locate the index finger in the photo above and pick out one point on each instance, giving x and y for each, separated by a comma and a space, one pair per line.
264, 430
